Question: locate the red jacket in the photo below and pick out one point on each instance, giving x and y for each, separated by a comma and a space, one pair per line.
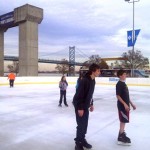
11, 76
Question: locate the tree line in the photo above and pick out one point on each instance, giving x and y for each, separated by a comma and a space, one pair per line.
131, 59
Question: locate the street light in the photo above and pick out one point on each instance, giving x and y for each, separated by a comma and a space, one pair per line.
133, 36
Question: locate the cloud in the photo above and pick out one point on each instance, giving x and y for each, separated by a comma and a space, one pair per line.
98, 27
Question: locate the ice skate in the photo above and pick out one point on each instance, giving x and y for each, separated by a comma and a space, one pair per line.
79, 146
59, 105
86, 145
66, 105
123, 139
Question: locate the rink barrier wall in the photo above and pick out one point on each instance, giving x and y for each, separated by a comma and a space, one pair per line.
72, 80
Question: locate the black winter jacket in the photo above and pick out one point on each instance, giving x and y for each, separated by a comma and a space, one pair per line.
84, 93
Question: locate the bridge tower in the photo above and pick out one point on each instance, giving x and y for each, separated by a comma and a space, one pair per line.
27, 17
72, 61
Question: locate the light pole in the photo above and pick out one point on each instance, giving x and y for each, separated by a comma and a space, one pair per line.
133, 36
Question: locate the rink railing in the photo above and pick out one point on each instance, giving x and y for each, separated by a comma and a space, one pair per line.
72, 80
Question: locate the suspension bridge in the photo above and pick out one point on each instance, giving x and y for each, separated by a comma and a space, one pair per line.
59, 57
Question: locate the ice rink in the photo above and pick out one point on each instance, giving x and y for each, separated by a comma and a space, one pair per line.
30, 119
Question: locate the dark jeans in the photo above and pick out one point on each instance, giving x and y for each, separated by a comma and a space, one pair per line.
82, 124
11, 83
63, 94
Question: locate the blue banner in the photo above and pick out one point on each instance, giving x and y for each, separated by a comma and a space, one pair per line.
136, 35
130, 39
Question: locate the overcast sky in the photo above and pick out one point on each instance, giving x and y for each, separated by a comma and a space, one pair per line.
93, 26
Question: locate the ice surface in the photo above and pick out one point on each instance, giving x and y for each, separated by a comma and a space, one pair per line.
30, 119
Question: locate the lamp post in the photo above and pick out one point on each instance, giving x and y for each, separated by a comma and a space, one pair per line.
133, 36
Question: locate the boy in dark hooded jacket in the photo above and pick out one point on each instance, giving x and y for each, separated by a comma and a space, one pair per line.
83, 102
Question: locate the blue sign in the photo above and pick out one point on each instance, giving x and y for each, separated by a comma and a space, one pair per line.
112, 79
130, 39
7, 20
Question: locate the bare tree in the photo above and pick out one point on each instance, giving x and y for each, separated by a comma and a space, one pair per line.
97, 60
134, 58
94, 59
117, 64
14, 67
103, 64
63, 68
10, 68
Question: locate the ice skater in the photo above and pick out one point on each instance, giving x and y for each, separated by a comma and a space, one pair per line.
63, 87
123, 105
83, 102
11, 78
79, 79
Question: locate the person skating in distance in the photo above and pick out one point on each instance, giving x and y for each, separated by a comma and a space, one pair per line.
63, 88
11, 78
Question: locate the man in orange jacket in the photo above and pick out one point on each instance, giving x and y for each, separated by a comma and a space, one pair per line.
11, 78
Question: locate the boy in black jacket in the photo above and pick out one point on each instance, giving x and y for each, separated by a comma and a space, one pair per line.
83, 102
